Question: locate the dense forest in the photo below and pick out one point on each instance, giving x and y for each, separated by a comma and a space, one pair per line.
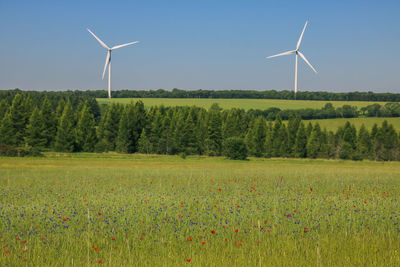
59, 123
249, 94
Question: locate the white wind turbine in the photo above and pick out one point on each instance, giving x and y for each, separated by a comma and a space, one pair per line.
298, 53
108, 58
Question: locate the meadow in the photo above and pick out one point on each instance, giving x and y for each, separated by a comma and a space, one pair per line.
245, 104
334, 124
139, 210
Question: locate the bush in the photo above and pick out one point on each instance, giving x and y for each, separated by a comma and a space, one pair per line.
11, 151
234, 148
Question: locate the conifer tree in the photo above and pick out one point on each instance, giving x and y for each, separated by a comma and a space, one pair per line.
255, 137
268, 141
108, 128
301, 142
144, 143
126, 131
35, 131
292, 128
189, 134
85, 131
4, 107
7, 132
284, 150
313, 144
49, 121
214, 132
364, 142
19, 116
65, 138
59, 109
276, 137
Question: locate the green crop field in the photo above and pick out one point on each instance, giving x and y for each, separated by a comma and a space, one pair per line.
237, 103
138, 210
334, 124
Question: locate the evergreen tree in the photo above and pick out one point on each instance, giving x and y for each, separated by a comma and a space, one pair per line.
7, 132
255, 137
364, 142
19, 116
301, 142
144, 143
276, 137
214, 132
156, 131
85, 131
59, 109
284, 150
189, 134
65, 138
35, 131
165, 142
108, 128
313, 144
49, 121
127, 131
4, 107
292, 128
268, 141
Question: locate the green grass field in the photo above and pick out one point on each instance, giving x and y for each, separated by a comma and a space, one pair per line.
137, 210
237, 103
334, 124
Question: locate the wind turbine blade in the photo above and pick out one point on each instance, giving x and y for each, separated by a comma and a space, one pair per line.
119, 46
283, 54
107, 61
301, 36
100, 41
304, 58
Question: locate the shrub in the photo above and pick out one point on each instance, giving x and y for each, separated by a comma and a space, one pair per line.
235, 148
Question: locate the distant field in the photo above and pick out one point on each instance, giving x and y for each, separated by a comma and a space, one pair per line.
237, 103
333, 124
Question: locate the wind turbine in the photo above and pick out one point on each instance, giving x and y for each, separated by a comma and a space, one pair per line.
108, 58
298, 53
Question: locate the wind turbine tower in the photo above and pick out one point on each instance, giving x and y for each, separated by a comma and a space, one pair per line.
108, 58
298, 53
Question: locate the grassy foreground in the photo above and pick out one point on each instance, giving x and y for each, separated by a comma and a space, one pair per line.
137, 210
237, 103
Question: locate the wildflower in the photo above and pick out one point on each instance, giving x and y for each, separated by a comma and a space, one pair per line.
288, 215
310, 189
23, 242
236, 230
113, 238
268, 230
96, 249
365, 202
239, 244
203, 243
100, 261
188, 259
64, 219
85, 200
219, 189
213, 232
7, 252
189, 239
99, 213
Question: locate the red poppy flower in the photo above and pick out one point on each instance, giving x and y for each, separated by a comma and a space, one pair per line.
236, 230
268, 230
213, 232
99, 213
64, 219
189, 259
219, 189
100, 261
23, 242
189, 239
239, 244
85, 200
203, 243
310, 189
113, 238
7, 252
365, 202
96, 249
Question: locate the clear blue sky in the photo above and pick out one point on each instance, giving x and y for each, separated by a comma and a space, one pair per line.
200, 44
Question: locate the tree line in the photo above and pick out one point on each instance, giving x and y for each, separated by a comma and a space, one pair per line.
250, 94
183, 130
